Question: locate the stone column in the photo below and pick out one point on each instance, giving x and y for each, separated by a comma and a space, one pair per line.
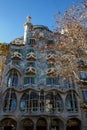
18, 102
48, 124
65, 126
18, 126
1, 128
35, 126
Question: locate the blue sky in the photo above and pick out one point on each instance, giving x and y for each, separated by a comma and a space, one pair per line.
13, 15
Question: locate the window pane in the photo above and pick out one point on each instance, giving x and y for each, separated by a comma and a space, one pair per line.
54, 81
28, 80
85, 95
83, 75
24, 104
12, 79
71, 102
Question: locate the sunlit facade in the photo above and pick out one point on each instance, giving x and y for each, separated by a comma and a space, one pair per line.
33, 96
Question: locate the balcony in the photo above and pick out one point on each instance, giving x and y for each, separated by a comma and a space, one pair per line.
16, 56
50, 58
83, 82
85, 65
83, 77
84, 105
52, 72
31, 56
30, 71
50, 44
82, 64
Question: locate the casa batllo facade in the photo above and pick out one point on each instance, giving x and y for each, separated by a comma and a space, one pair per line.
31, 99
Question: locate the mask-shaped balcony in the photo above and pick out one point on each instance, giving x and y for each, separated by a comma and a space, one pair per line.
30, 70
85, 65
31, 56
16, 56
84, 105
50, 58
50, 44
82, 64
51, 72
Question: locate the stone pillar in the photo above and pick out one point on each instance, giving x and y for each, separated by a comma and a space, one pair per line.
18, 103
18, 126
65, 126
1, 128
35, 126
48, 124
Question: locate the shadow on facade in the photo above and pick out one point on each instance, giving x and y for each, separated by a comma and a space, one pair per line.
27, 124
42, 124
8, 124
73, 124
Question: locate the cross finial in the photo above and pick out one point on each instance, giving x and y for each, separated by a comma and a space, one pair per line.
29, 19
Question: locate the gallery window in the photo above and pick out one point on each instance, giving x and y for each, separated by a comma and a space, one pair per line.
29, 102
71, 102
24, 103
49, 102
10, 101
53, 103
34, 100
58, 103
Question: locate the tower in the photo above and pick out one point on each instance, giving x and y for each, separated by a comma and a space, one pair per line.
27, 29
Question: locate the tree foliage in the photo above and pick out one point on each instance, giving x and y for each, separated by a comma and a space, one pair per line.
4, 52
71, 39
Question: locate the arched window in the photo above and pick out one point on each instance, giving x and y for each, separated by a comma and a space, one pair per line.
24, 103
8, 124
10, 101
58, 103
71, 102
28, 124
57, 124
29, 102
41, 124
34, 99
12, 79
73, 124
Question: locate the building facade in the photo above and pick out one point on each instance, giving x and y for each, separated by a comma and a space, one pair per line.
32, 96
